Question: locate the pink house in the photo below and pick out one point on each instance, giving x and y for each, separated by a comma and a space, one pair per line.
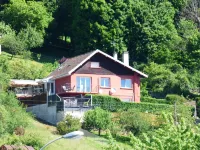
96, 73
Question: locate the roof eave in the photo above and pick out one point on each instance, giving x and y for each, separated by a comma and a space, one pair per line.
133, 69
98, 51
61, 76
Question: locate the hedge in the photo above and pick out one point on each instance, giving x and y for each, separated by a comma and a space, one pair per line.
154, 100
115, 104
172, 98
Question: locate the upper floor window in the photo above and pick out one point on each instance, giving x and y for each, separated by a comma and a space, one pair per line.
126, 83
105, 82
94, 65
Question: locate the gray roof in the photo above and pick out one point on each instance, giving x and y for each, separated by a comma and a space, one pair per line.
68, 65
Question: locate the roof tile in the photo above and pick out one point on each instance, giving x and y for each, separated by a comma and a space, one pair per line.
68, 65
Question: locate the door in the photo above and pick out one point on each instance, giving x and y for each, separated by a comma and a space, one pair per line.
83, 84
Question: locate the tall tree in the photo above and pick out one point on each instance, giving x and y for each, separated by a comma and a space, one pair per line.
151, 31
21, 14
192, 11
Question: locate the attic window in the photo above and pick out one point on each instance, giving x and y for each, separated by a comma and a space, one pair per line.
95, 65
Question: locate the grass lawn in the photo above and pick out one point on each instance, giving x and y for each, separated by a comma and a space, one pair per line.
47, 133
122, 141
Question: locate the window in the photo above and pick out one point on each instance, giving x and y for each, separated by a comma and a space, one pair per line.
105, 82
126, 83
52, 88
94, 64
83, 84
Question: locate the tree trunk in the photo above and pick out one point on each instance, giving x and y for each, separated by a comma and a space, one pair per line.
99, 131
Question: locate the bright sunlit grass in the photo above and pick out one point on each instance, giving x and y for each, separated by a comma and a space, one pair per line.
48, 133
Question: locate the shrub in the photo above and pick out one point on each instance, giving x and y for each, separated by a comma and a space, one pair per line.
112, 144
172, 98
170, 136
143, 107
105, 101
114, 128
197, 99
4, 116
12, 114
97, 119
135, 121
115, 104
29, 139
69, 124
153, 100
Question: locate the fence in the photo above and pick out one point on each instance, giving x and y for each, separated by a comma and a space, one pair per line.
34, 100
69, 102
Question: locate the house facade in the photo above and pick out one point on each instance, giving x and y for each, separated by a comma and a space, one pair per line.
96, 73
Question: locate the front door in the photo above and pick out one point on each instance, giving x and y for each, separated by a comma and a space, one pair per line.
83, 84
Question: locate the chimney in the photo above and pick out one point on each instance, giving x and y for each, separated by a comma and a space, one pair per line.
125, 58
115, 55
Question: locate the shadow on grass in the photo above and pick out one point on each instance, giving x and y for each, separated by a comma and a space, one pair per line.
120, 139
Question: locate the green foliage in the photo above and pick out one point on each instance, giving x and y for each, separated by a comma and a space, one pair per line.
185, 112
51, 5
167, 78
169, 137
115, 104
17, 68
153, 100
31, 38
158, 36
112, 143
11, 113
97, 119
5, 29
146, 107
29, 139
161, 35
21, 14
172, 98
105, 101
179, 4
69, 124
115, 128
197, 99
135, 121
4, 116
12, 44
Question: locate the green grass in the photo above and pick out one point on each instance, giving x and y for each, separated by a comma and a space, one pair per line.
122, 141
18, 58
47, 133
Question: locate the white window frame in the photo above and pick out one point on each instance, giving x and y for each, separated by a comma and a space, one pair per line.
54, 88
85, 85
94, 65
104, 86
125, 83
